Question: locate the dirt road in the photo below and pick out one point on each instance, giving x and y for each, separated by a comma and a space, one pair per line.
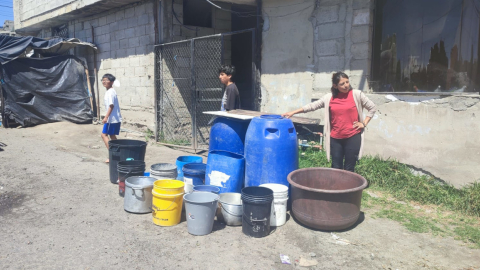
58, 210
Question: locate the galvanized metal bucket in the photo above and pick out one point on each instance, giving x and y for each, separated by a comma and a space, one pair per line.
138, 194
231, 208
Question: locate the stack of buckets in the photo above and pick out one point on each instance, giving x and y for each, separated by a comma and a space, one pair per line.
257, 209
164, 171
167, 202
128, 169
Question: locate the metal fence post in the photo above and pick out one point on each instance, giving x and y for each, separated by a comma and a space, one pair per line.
194, 96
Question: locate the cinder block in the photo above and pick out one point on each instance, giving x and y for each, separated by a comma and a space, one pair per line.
360, 50
123, 24
362, 4
360, 34
79, 26
141, 50
104, 55
330, 31
120, 34
104, 47
111, 18
148, 7
129, 71
134, 61
114, 45
150, 29
361, 17
360, 65
102, 21
131, 51
330, 63
139, 10
151, 69
113, 27
133, 42
322, 81
124, 43
140, 30
130, 32
324, 3
129, 12
143, 19
132, 22
327, 14
119, 71
326, 48
139, 71
106, 63
121, 53
119, 15
145, 40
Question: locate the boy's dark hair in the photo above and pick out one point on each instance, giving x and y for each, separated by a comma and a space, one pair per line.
109, 76
227, 69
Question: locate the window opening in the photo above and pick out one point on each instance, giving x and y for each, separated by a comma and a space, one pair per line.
197, 13
426, 46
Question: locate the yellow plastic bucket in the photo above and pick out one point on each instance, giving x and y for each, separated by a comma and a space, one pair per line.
168, 186
167, 208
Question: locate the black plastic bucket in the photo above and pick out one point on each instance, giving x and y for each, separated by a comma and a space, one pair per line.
257, 207
127, 169
122, 150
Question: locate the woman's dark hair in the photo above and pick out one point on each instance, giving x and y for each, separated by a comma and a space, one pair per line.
227, 69
336, 79
109, 76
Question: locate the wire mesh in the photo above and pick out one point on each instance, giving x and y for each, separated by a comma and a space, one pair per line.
174, 106
187, 84
208, 89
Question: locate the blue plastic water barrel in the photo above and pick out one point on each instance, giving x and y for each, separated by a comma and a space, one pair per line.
271, 151
193, 175
228, 134
225, 170
182, 160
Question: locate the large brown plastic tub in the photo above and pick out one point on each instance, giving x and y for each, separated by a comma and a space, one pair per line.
326, 199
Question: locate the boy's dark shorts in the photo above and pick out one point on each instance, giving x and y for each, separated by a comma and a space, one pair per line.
111, 128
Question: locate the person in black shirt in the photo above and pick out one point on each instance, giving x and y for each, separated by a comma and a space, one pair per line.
231, 97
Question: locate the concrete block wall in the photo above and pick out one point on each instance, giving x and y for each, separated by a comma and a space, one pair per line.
304, 42
125, 39
343, 34
321, 38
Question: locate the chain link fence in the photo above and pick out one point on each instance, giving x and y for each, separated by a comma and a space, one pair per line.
187, 84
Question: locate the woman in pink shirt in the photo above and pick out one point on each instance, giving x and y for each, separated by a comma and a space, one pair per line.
344, 121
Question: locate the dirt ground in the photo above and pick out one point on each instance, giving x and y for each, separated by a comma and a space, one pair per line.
58, 210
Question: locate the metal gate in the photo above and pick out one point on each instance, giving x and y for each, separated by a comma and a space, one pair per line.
187, 84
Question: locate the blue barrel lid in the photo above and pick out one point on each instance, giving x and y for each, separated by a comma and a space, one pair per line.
271, 116
195, 168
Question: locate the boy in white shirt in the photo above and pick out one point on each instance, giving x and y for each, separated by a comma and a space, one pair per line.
113, 118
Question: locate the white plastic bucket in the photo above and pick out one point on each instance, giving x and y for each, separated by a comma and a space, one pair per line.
279, 205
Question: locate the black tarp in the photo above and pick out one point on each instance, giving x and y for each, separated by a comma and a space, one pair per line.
15, 47
45, 90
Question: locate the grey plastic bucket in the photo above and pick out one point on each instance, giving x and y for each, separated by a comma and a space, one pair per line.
231, 208
200, 208
138, 194
163, 171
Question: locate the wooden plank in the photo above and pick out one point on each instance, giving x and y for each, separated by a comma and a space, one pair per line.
295, 119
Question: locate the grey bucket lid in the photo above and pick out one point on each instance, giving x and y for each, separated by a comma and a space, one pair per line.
140, 182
